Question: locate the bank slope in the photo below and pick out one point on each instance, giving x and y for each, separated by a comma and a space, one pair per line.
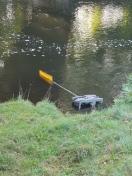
40, 140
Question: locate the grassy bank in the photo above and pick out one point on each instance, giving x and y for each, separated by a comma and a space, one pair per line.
41, 141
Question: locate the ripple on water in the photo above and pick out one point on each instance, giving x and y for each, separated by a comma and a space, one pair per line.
32, 46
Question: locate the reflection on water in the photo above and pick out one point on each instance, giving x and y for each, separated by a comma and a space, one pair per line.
88, 52
111, 16
94, 28
13, 17
39, 42
98, 50
63, 7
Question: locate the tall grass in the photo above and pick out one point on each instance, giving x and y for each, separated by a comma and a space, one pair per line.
41, 141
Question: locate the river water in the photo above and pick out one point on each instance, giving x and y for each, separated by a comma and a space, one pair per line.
85, 45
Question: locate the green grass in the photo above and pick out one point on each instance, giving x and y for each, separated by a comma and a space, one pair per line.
41, 141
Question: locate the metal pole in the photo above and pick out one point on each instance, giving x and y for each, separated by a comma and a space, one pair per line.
65, 89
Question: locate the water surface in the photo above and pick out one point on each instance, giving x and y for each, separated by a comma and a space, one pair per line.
85, 46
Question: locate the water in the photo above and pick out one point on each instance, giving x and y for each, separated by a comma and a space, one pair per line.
85, 46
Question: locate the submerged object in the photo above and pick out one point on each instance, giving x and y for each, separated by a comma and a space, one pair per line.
85, 101
77, 101
48, 78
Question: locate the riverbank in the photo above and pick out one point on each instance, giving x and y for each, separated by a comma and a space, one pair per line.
40, 140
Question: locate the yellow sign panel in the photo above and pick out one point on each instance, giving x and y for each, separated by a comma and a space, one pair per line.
46, 77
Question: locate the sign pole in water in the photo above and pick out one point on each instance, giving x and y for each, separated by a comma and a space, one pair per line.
48, 78
77, 101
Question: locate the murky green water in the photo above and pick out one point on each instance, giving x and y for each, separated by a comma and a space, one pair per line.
85, 46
